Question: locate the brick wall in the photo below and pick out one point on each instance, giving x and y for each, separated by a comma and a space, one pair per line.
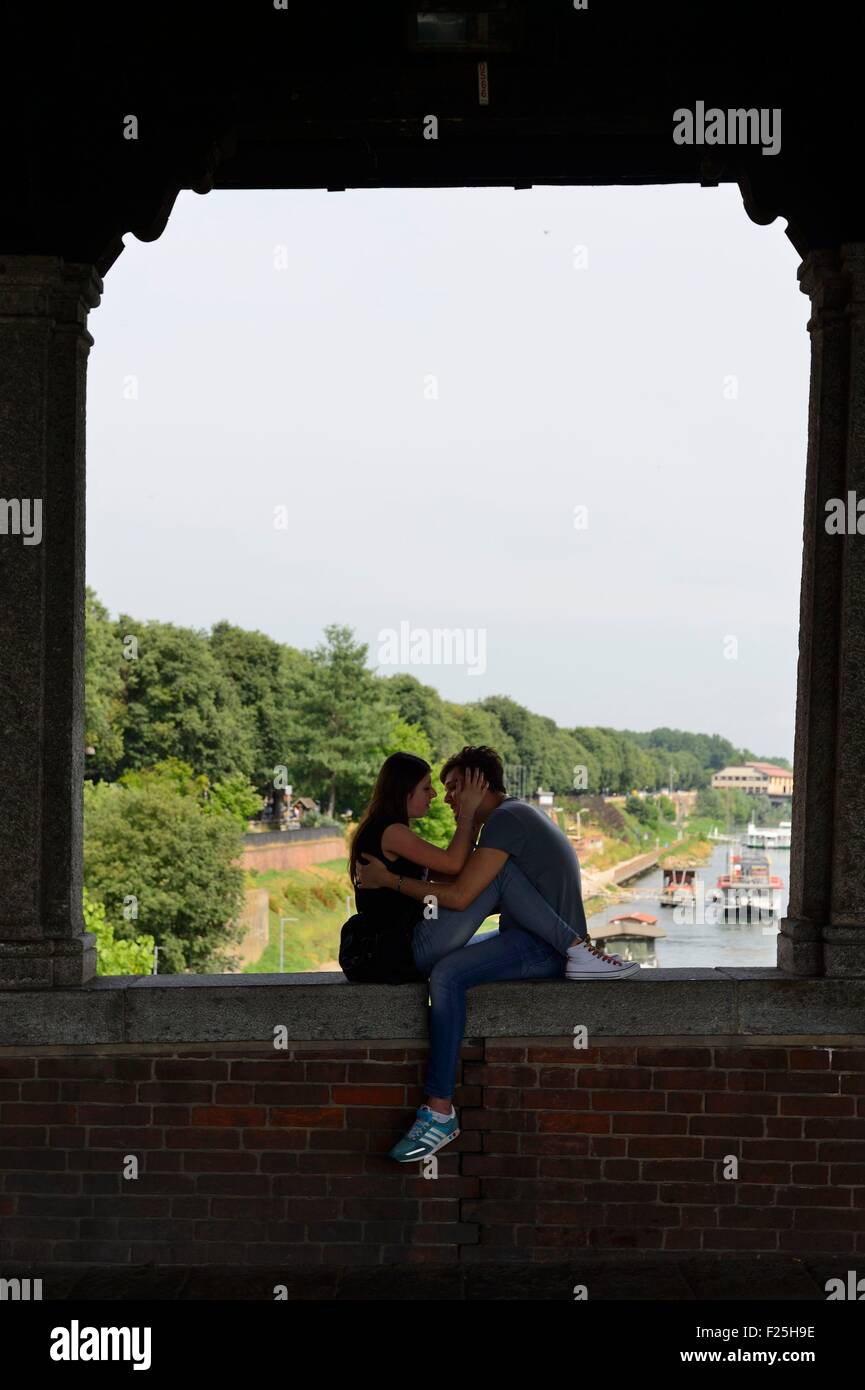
290, 853
251, 1156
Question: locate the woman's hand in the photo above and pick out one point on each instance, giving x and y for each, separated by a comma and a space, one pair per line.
371, 872
474, 787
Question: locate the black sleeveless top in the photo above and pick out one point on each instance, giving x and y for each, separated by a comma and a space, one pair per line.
375, 944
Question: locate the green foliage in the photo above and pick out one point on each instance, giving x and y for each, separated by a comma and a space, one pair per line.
179, 704
133, 957
150, 842
728, 806
667, 807
237, 705
104, 702
641, 809
345, 719
268, 679
233, 796
236, 797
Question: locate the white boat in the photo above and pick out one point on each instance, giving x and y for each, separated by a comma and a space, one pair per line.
767, 837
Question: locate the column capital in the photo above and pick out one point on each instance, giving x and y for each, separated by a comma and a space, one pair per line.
853, 268
822, 278
48, 288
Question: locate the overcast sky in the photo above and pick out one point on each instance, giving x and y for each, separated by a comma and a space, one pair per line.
430, 383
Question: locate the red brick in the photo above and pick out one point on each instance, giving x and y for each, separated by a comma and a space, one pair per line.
681, 1079
813, 1196
743, 1058
546, 1099
553, 1144
22, 1137
102, 1092
174, 1092
816, 1058
734, 1125
650, 1124
177, 1069
39, 1090
746, 1080
118, 1115
202, 1138
834, 1129
480, 1074
674, 1057
660, 1146
804, 1242
126, 1140
740, 1240
309, 1117
611, 1078
381, 1073
16, 1068
696, 1194
800, 1083
563, 1122
220, 1162
678, 1170
228, 1117
787, 1150
627, 1100
756, 1218
741, 1103
817, 1105
25, 1113
368, 1095
685, 1102
848, 1059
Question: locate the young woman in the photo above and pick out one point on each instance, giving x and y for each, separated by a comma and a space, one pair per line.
390, 939
376, 944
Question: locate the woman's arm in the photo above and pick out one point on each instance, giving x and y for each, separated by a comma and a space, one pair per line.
475, 877
398, 839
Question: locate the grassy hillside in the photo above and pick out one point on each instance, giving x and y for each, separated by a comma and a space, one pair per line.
316, 897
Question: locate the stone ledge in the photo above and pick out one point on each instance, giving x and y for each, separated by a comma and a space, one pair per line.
320, 1006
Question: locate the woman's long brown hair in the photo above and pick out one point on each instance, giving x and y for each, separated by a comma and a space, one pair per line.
397, 779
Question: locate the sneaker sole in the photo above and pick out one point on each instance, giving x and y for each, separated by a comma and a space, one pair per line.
624, 973
418, 1158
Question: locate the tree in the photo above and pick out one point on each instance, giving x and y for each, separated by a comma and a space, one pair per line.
116, 957
181, 704
344, 717
166, 867
267, 677
104, 689
438, 825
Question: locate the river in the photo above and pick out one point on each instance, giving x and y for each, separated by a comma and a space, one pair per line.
708, 945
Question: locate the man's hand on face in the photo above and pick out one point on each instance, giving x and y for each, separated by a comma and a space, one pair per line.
372, 873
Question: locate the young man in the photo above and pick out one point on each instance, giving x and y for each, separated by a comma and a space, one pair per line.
527, 870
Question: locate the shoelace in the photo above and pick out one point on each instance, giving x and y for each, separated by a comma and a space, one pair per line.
600, 955
417, 1129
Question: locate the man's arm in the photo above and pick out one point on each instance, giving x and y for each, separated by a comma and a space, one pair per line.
477, 875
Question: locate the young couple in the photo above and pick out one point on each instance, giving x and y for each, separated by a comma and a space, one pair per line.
418, 908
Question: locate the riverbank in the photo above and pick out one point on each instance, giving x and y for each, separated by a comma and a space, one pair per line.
608, 888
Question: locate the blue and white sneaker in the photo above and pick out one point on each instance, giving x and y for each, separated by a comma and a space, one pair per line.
429, 1133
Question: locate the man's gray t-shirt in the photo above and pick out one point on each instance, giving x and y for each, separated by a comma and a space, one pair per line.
543, 853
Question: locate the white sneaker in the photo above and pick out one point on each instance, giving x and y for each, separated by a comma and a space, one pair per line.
584, 962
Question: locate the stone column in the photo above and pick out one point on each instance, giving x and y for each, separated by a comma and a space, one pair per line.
44, 345
824, 933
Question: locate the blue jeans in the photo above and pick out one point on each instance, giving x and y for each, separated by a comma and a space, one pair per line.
530, 945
